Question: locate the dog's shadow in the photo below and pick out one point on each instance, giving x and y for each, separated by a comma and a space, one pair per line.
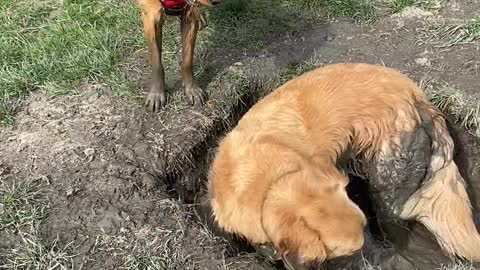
239, 29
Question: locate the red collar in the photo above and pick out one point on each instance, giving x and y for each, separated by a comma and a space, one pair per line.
174, 4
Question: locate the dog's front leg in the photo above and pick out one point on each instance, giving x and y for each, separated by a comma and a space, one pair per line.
152, 17
189, 27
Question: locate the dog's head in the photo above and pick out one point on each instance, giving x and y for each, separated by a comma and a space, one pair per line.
310, 219
335, 218
204, 2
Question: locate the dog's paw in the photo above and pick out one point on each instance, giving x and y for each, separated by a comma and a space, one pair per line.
268, 251
155, 100
195, 94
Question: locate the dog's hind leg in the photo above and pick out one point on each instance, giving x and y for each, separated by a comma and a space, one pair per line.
189, 26
152, 17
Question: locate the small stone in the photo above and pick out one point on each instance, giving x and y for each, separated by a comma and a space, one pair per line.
70, 191
423, 61
89, 153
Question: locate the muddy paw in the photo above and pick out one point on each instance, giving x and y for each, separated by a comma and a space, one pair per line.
268, 251
155, 100
195, 95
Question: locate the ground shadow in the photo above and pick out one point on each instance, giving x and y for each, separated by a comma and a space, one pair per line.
243, 29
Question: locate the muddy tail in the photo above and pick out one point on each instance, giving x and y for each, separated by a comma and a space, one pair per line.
442, 203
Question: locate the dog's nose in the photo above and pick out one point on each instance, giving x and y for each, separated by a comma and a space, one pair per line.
216, 2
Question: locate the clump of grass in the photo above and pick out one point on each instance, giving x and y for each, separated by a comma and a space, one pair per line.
443, 98
32, 253
153, 262
396, 6
470, 116
357, 10
21, 204
467, 113
162, 257
459, 266
451, 34
296, 69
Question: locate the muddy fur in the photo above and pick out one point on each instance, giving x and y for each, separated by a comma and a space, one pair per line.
377, 115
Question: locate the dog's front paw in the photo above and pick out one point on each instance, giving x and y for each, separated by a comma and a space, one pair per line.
155, 100
195, 94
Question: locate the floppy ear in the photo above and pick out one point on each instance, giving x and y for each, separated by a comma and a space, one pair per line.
293, 262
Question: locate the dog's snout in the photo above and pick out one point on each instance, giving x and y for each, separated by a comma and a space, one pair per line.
215, 2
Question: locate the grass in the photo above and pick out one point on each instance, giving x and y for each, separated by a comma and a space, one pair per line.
454, 33
54, 45
296, 69
459, 266
396, 6
165, 260
21, 204
399, 5
31, 253
467, 113
443, 98
356, 10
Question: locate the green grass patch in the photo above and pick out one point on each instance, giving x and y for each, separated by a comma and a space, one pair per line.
294, 70
467, 113
53, 45
451, 34
357, 10
21, 204
399, 5
444, 98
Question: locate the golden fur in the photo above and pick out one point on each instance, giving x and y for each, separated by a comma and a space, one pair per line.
274, 178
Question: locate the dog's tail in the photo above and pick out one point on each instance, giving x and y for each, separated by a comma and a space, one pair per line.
442, 203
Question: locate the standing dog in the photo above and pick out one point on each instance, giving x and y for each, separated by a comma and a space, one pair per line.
190, 12
275, 177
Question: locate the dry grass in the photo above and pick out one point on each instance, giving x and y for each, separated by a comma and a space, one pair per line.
449, 34
162, 257
466, 111
33, 254
22, 204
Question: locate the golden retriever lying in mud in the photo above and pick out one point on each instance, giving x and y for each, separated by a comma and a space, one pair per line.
276, 177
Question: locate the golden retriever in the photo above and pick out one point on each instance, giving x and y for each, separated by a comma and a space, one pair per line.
275, 177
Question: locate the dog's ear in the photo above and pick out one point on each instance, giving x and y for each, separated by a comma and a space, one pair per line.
293, 262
